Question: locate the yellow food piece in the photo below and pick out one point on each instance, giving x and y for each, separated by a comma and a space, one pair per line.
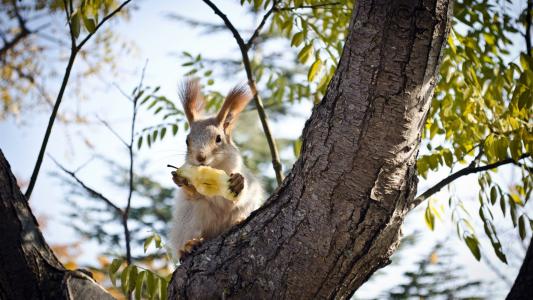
208, 181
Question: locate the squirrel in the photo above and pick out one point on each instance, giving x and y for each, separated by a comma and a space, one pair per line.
197, 217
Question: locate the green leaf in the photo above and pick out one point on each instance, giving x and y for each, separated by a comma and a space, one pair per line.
163, 289
147, 242
451, 43
90, 24
522, 227
297, 39
163, 132
124, 279
139, 285
512, 210
132, 280
473, 245
151, 284
75, 23
113, 268
429, 217
139, 142
315, 68
526, 61
174, 129
157, 239
493, 195
448, 157
305, 53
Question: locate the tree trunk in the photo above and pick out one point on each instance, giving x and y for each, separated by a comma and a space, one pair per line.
523, 284
29, 269
336, 218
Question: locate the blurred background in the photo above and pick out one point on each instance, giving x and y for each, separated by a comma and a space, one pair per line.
466, 241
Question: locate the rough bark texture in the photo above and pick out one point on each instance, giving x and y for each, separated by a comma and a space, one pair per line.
336, 218
28, 267
523, 285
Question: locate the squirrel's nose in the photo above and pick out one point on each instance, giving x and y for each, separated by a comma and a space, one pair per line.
200, 158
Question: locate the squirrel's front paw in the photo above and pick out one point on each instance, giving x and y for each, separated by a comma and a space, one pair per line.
189, 247
179, 180
236, 183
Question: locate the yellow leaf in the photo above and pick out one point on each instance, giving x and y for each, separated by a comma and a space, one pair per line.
315, 68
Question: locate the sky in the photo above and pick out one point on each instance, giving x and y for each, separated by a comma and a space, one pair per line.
159, 40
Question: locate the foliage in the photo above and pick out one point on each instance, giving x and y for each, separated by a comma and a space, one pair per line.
142, 282
34, 41
482, 111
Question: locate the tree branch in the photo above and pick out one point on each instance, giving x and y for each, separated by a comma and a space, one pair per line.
466, 171
251, 82
87, 188
261, 25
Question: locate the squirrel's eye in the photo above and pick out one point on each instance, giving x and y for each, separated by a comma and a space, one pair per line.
218, 139
187, 141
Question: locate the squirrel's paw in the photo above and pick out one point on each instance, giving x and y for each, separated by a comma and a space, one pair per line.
179, 180
236, 183
189, 247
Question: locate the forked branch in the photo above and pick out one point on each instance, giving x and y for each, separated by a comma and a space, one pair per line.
471, 169
244, 47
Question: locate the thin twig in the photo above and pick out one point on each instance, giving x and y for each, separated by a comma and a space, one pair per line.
106, 124
70, 30
251, 82
87, 188
466, 171
131, 154
122, 91
527, 36
261, 25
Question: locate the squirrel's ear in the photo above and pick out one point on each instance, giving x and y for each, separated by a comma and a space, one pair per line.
234, 104
192, 99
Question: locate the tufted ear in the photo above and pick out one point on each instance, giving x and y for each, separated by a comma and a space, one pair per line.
192, 99
235, 102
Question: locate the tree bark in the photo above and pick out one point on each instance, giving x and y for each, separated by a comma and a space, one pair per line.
523, 285
336, 218
28, 267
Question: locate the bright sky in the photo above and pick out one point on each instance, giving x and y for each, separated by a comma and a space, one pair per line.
159, 40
